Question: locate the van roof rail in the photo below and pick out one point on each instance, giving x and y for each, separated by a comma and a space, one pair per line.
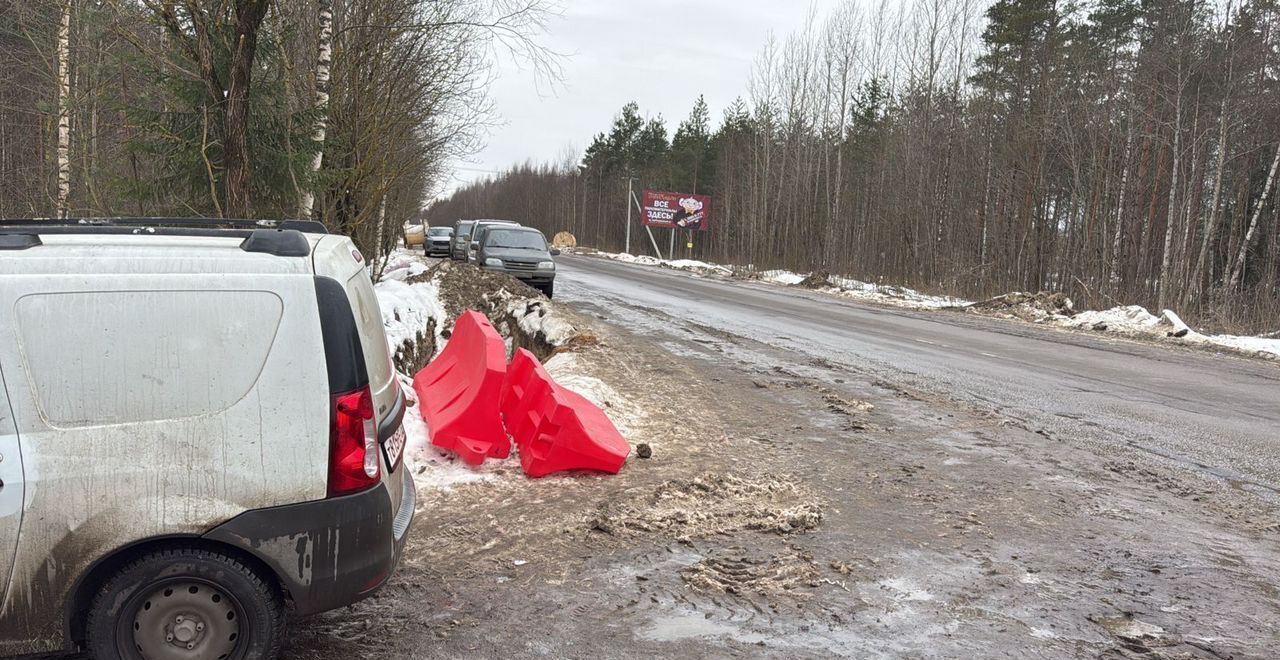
304, 226
279, 238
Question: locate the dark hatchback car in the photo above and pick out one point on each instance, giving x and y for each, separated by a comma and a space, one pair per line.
461, 241
521, 252
437, 241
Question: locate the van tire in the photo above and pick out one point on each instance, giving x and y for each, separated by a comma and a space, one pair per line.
118, 606
548, 289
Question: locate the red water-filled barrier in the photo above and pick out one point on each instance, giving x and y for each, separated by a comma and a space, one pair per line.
459, 392
555, 428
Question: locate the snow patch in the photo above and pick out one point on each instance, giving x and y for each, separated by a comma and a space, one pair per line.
1136, 321
408, 309
843, 286
537, 319
783, 277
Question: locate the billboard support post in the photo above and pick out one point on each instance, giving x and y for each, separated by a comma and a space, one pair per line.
648, 230
629, 196
671, 250
654, 241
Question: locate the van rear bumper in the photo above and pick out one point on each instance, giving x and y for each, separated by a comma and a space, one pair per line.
326, 553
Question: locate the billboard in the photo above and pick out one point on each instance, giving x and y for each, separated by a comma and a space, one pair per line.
676, 210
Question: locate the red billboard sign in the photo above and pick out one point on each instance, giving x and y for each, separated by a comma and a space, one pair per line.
676, 210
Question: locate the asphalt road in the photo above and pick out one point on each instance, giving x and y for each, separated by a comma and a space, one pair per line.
1214, 414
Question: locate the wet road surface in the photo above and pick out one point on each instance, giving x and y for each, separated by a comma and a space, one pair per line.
1211, 413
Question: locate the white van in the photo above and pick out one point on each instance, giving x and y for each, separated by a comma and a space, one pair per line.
199, 435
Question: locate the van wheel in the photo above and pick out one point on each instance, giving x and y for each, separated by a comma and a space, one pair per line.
549, 289
185, 604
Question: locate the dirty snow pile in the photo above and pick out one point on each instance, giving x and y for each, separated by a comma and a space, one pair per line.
842, 286
536, 319
401, 265
413, 315
893, 295
848, 287
1136, 321
691, 265
1127, 320
783, 277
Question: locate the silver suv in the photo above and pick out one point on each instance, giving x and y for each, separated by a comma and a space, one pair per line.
200, 433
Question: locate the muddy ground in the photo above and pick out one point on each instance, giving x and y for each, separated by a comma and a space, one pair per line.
792, 508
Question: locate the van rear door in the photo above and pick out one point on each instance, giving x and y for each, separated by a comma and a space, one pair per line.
11, 488
336, 257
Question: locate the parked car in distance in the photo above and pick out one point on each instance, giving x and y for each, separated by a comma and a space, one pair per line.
414, 235
461, 240
477, 233
200, 434
438, 240
521, 252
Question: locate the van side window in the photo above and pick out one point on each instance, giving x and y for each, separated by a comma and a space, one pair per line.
120, 357
377, 357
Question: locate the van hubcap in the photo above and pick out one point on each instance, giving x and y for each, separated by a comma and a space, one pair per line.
186, 621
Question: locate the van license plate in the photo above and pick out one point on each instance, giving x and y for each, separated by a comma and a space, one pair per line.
394, 446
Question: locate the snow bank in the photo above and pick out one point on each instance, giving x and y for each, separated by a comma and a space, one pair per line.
410, 310
695, 265
1136, 321
538, 320
1264, 346
1127, 319
677, 264
401, 265
783, 277
900, 296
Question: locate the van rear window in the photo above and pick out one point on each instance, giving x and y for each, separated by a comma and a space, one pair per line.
120, 357
377, 357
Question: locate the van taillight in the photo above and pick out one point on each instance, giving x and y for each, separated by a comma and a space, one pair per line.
353, 445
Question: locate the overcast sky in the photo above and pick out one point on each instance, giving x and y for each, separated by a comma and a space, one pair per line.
659, 53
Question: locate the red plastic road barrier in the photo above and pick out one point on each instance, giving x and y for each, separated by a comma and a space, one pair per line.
555, 428
459, 392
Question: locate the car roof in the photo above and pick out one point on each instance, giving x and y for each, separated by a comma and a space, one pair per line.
519, 228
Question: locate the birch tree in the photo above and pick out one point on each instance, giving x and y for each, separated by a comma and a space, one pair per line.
64, 109
324, 61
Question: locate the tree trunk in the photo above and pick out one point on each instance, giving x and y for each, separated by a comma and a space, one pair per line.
324, 61
1211, 220
1171, 217
1237, 272
236, 160
64, 110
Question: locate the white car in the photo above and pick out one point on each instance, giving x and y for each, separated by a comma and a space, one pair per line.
199, 436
